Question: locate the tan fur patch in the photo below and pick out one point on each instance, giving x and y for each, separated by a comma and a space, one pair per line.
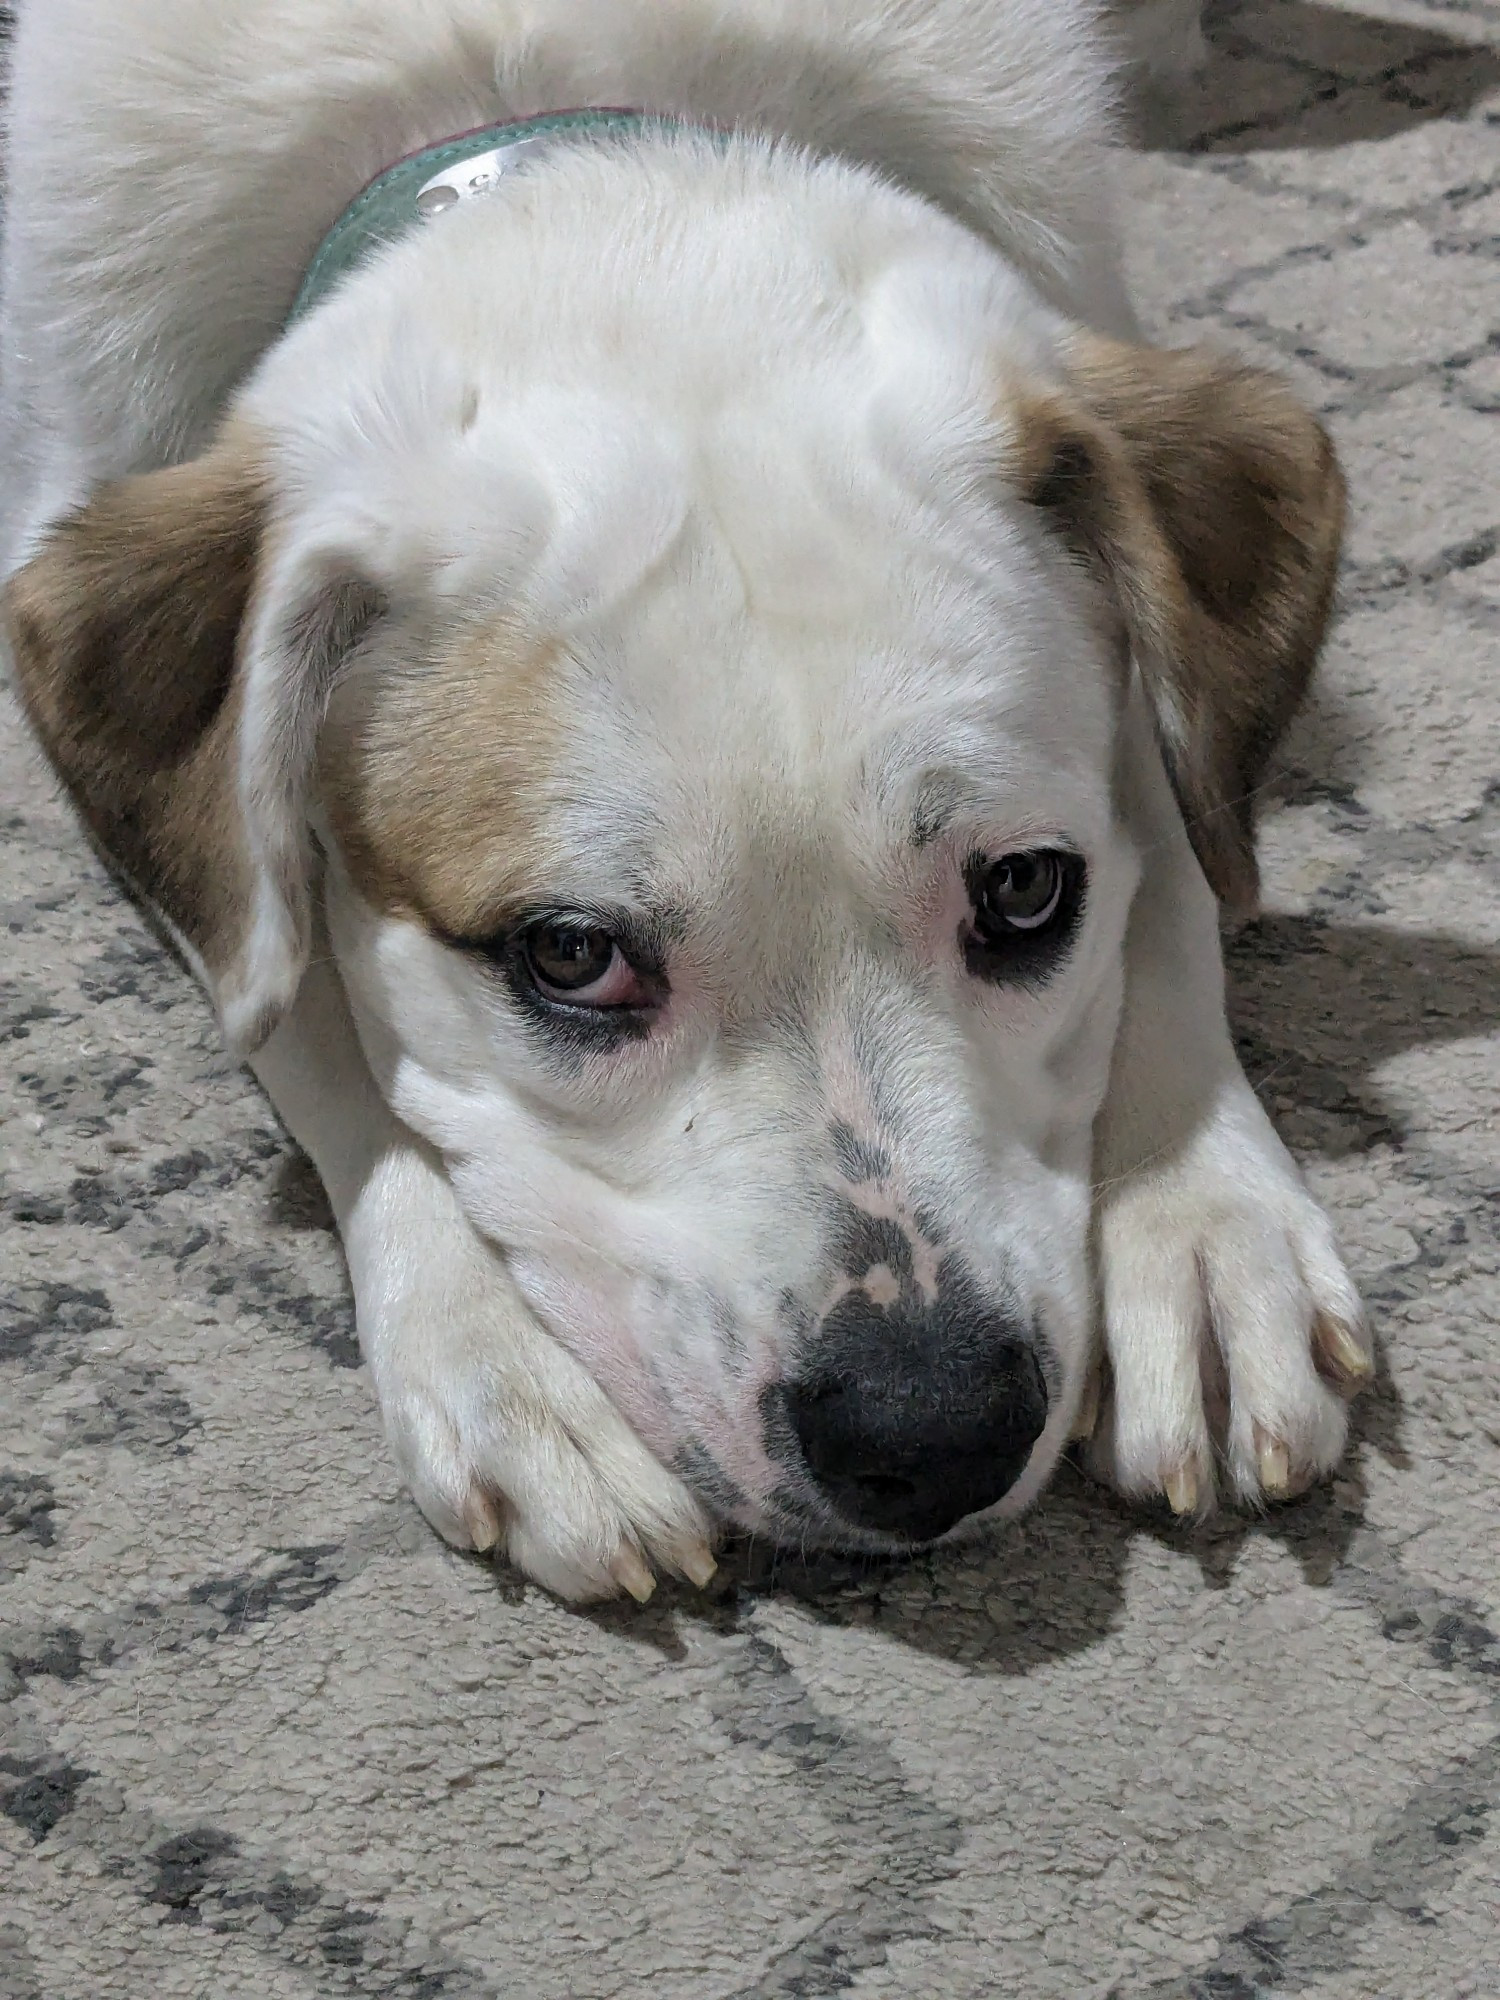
438, 782
1214, 504
124, 628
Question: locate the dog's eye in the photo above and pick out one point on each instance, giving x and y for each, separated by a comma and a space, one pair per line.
1020, 892
1026, 906
579, 964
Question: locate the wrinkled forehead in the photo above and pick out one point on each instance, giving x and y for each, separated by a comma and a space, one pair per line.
803, 687
517, 776
927, 698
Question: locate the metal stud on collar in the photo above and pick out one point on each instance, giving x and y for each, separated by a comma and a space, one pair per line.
481, 174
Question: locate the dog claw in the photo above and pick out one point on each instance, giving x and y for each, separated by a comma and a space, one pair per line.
1181, 1488
1345, 1359
697, 1564
631, 1574
482, 1519
1086, 1421
1273, 1462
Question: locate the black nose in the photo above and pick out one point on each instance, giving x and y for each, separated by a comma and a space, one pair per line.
907, 1434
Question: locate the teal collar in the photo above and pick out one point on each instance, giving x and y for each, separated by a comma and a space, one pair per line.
440, 177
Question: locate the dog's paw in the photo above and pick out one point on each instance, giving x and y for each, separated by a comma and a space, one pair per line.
507, 1443
1233, 1334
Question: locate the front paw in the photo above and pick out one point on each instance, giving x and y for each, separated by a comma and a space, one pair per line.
1233, 1334
507, 1443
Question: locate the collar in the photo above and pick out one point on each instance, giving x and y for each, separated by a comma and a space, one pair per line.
440, 177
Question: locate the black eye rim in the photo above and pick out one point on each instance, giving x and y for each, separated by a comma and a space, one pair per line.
505, 951
1023, 955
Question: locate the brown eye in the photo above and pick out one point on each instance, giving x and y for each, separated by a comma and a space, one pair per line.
576, 974
569, 958
576, 964
1026, 907
1021, 892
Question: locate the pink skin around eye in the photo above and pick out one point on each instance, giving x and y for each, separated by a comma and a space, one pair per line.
620, 986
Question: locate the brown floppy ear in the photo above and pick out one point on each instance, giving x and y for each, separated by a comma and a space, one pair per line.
164, 711
1214, 504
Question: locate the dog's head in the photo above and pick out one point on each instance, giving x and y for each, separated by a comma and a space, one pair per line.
701, 642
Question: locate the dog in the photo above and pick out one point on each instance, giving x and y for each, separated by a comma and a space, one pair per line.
621, 579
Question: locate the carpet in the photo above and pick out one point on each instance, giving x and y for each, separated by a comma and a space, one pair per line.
261, 1735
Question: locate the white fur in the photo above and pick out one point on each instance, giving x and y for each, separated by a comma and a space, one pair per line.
724, 417
1203, 1220
471, 1387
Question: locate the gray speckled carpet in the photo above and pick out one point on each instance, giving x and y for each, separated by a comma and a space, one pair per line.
261, 1735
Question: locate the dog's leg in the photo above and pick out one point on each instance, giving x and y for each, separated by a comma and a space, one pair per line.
1230, 1323
503, 1437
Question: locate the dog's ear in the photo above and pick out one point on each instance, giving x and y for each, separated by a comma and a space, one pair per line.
1213, 504
176, 670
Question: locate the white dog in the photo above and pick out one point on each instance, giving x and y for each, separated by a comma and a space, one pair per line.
685, 704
